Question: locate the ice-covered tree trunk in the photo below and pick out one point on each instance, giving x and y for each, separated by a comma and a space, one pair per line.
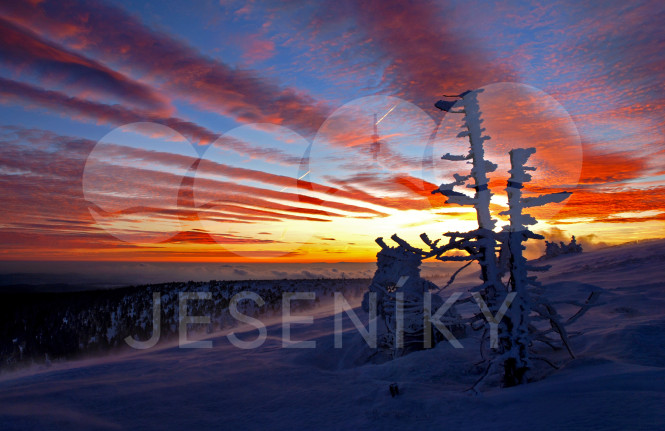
481, 167
516, 338
485, 236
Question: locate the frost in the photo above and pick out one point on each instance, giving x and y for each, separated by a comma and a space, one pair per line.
499, 254
553, 249
400, 295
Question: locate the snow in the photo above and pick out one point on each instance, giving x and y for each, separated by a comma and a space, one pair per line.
616, 381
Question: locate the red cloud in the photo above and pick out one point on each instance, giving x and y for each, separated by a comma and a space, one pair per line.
30, 54
602, 168
600, 204
117, 37
257, 49
107, 114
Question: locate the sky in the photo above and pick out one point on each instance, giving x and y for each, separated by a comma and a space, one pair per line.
263, 131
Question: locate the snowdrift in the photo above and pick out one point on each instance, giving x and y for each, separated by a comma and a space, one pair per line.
616, 381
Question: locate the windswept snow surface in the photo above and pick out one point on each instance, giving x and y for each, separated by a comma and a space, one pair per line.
617, 381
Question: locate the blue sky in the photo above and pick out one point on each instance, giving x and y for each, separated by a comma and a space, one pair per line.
75, 72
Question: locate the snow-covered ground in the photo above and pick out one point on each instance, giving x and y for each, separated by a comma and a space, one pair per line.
617, 381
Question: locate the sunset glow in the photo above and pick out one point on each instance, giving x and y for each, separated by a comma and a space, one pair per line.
245, 131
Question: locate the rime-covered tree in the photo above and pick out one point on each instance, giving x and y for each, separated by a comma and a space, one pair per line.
400, 297
552, 249
484, 238
516, 337
480, 244
496, 252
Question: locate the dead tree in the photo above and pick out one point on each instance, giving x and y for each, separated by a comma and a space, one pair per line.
484, 238
517, 332
396, 265
517, 335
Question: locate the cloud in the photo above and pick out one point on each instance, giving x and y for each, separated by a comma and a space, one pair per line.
427, 53
419, 49
14, 91
49, 184
114, 36
256, 49
602, 167
95, 62
31, 55
599, 204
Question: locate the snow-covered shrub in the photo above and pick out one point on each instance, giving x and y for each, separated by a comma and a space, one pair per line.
552, 249
400, 296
